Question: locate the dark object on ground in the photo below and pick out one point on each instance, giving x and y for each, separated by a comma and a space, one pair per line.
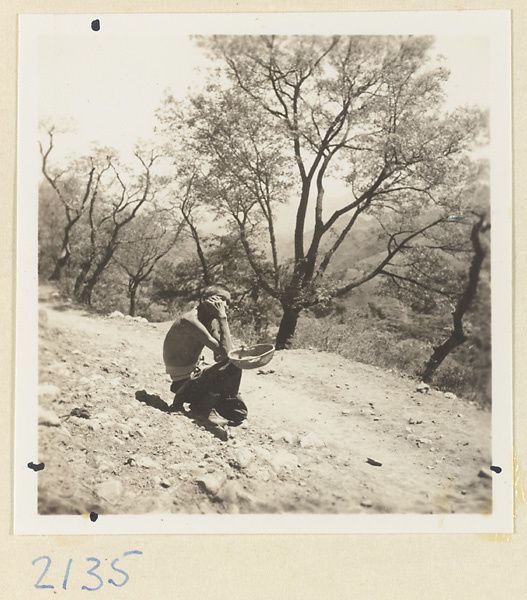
375, 463
80, 412
152, 400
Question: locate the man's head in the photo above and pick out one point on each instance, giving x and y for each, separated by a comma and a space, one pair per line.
216, 290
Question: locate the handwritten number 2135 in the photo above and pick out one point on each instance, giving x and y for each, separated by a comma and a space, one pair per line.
96, 585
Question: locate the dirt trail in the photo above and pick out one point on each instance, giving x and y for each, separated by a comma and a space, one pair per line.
324, 434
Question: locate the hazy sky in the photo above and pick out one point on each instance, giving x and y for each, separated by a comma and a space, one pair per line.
108, 87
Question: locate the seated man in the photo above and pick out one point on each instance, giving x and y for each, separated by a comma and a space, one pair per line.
212, 392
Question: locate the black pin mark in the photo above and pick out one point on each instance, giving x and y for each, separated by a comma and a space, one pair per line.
496, 469
96, 25
93, 517
35, 467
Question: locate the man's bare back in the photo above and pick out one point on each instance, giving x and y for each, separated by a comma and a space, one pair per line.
217, 385
204, 325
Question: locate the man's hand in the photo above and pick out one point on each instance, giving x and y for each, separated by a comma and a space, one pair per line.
217, 306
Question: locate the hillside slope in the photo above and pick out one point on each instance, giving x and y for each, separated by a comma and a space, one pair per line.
324, 435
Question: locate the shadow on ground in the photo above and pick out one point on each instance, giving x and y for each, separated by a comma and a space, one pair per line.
158, 403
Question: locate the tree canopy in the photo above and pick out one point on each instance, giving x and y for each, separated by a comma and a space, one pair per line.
288, 114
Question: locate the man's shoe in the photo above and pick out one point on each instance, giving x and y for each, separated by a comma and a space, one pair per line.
233, 409
216, 419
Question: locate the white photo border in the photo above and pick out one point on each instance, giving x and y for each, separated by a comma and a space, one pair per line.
492, 23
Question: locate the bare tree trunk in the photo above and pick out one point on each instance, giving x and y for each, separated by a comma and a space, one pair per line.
457, 336
81, 278
133, 287
85, 295
287, 328
60, 264
440, 353
65, 253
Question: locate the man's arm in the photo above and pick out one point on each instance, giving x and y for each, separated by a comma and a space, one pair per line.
221, 332
194, 328
220, 326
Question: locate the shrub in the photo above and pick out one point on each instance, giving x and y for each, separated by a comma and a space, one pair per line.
379, 342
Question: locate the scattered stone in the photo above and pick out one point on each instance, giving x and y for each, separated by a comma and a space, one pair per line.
116, 315
424, 441
42, 318
461, 416
424, 388
110, 490
485, 473
366, 503
146, 462
345, 412
48, 391
243, 457
311, 441
229, 493
94, 426
283, 461
212, 482
47, 417
450, 396
262, 453
140, 320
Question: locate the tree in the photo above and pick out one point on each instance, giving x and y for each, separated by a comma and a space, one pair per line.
457, 334
76, 188
108, 218
443, 271
146, 241
366, 110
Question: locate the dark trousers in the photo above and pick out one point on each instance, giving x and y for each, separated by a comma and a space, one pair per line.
214, 387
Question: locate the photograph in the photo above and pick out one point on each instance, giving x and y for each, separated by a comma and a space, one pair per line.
257, 280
